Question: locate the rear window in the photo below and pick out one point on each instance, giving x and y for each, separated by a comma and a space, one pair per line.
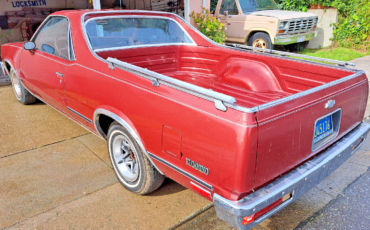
120, 33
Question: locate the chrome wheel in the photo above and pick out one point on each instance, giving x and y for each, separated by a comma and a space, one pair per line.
125, 158
16, 84
260, 43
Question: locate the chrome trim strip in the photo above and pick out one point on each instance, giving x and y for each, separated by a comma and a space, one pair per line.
268, 53
115, 117
79, 114
183, 172
198, 91
140, 46
298, 181
342, 63
310, 91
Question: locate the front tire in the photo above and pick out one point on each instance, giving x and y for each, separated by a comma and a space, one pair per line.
133, 169
260, 40
21, 93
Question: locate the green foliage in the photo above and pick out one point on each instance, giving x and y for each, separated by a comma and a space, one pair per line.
210, 26
213, 5
296, 5
353, 27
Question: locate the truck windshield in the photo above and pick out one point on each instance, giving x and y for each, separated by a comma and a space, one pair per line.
132, 32
257, 5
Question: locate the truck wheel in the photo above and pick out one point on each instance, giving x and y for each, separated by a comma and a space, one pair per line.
21, 93
296, 47
133, 169
260, 40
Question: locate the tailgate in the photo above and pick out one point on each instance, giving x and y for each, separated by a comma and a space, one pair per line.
286, 129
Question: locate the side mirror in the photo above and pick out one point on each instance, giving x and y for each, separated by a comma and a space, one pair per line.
29, 46
226, 13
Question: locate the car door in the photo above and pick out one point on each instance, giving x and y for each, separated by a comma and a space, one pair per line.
234, 21
44, 68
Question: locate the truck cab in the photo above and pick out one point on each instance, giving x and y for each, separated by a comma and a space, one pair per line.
262, 24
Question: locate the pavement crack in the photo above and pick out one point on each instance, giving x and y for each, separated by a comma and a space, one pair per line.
94, 153
57, 142
56, 206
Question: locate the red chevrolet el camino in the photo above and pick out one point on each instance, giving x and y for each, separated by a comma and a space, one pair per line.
250, 131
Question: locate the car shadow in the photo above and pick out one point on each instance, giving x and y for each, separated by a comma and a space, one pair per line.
168, 187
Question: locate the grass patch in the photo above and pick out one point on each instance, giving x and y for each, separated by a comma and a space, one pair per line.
337, 53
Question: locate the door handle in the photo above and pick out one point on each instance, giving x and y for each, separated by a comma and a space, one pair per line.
59, 74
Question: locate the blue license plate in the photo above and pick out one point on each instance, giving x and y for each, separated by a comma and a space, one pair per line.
323, 128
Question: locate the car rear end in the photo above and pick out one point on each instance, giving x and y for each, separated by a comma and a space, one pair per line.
302, 138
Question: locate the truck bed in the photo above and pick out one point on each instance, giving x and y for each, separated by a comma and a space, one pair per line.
252, 79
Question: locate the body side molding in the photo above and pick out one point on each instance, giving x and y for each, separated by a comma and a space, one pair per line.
183, 172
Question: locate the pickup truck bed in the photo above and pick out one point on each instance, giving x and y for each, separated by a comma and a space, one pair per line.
285, 96
252, 79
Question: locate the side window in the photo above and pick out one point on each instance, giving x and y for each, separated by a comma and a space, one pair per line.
53, 37
230, 6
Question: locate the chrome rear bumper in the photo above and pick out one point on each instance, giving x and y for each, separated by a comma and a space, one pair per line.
297, 182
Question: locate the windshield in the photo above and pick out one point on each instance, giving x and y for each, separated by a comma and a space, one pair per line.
117, 33
257, 5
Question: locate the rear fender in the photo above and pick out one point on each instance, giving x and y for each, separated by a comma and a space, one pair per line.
118, 116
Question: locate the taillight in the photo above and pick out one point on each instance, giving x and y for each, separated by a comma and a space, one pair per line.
250, 219
201, 190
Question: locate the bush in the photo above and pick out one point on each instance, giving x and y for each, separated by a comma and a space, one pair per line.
353, 27
210, 26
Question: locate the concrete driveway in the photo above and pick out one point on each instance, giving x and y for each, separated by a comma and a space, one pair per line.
56, 175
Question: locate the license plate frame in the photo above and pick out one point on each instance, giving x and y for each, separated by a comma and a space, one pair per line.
301, 38
320, 140
323, 128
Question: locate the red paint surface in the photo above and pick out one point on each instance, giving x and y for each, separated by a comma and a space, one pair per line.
241, 150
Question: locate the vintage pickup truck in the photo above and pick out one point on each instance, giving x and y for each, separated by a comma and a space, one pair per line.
250, 131
262, 24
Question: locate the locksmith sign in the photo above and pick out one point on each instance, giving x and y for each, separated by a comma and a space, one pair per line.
16, 4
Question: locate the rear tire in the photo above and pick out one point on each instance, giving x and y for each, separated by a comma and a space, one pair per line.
21, 93
260, 40
133, 169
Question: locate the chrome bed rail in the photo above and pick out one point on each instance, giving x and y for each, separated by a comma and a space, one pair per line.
158, 79
282, 53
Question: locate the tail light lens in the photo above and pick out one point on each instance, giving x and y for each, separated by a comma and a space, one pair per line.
250, 219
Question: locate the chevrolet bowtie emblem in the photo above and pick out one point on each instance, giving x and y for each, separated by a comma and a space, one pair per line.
330, 104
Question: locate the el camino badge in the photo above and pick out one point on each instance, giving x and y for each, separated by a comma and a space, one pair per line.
197, 166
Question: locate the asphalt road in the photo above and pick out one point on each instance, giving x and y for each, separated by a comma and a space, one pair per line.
350, 211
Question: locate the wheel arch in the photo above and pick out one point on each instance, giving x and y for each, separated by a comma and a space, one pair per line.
8, 65
110, 115
252, 31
